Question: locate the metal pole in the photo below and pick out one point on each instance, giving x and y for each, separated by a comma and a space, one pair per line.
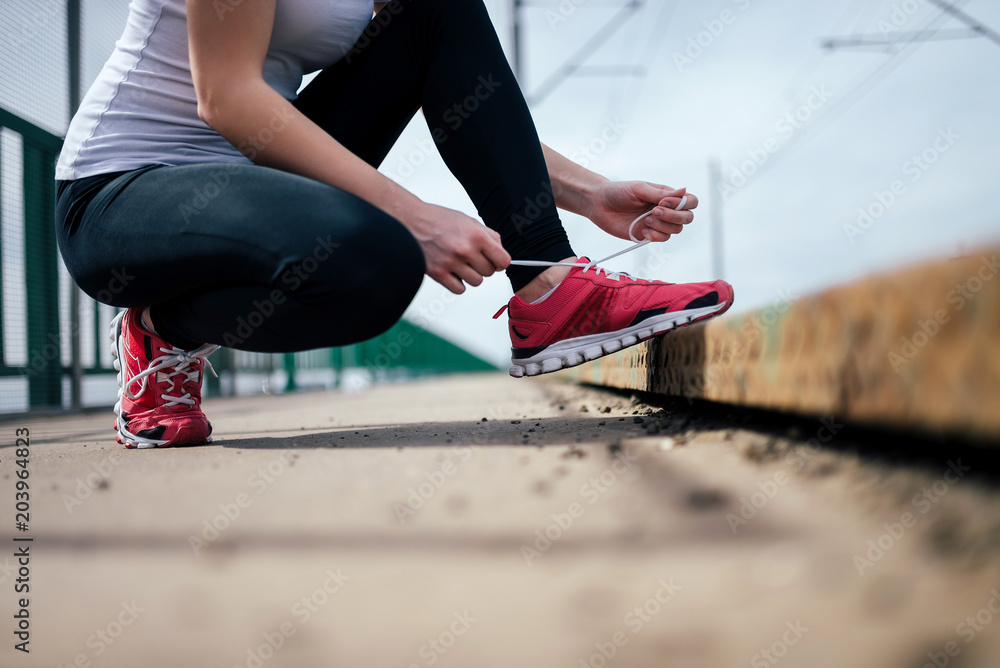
715, 181
516, 20
73, 37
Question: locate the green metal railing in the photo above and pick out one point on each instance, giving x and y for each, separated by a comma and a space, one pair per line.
404, 350
43, 368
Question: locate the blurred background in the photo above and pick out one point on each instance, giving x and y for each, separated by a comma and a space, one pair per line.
826, 141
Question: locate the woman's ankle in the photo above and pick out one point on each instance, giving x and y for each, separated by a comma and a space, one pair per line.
545, 282
147, 321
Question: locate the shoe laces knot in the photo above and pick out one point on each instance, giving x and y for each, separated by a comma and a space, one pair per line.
173, 366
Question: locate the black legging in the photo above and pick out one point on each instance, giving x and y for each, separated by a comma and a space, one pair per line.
259, 259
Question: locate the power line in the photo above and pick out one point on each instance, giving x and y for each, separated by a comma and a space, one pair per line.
979, 27
846, 103
869, 41
575, 62
653, 46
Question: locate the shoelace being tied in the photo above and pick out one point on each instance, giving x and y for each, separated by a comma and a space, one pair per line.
178, 360
614, 275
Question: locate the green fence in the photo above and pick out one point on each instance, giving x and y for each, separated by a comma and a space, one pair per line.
53, 340
40, 327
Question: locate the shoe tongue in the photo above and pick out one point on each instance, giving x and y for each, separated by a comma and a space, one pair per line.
147, 347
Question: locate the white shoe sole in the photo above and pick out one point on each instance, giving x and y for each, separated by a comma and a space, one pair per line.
572, 352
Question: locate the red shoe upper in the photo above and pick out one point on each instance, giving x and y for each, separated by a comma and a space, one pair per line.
593, 301
164, 386
166, 403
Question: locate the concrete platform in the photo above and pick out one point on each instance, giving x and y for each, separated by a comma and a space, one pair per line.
917, 348
394, 527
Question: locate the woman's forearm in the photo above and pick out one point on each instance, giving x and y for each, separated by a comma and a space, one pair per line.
573, 185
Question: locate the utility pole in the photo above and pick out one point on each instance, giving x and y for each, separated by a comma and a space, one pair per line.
516, 23
73, 41
574, 63
716, 200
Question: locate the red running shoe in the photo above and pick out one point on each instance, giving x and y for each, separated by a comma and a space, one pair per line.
594, 312
159, 387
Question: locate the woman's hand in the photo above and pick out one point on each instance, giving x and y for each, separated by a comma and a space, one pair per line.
456, 247
615, 204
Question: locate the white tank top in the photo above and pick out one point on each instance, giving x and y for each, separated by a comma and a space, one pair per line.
142, 108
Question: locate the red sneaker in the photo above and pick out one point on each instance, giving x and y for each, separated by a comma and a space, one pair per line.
159, 387
594, 312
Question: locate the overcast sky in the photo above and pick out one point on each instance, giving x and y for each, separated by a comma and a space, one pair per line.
741, 81
722, 76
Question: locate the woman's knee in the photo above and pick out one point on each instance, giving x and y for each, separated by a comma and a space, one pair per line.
358, 253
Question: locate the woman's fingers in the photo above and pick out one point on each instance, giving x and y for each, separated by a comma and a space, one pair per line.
495, 254
650, 234
673, 201
449, 281
663, 227
469, 275
670, 216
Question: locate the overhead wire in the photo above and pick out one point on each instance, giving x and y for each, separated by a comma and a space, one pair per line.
866, 83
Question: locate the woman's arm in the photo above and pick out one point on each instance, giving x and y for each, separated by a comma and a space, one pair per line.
573, 185
613, 205
227, 59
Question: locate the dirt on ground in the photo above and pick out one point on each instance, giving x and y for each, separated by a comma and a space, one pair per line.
486, 521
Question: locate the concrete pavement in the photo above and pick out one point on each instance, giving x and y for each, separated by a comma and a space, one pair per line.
395, 527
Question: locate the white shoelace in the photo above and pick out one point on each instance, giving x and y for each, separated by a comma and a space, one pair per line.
614, 275
174, 363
